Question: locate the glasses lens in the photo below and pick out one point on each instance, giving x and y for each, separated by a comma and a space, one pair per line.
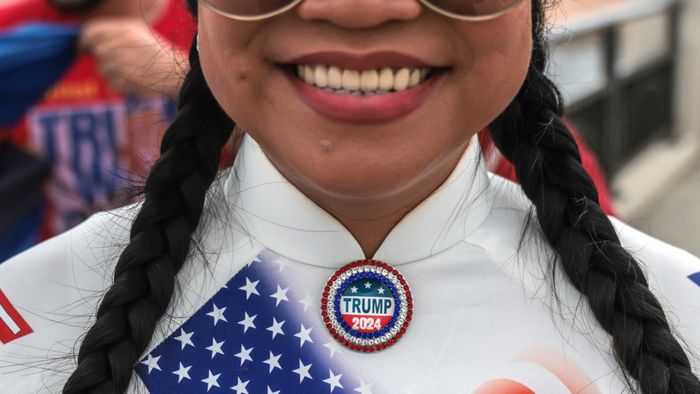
475, 8
248, 8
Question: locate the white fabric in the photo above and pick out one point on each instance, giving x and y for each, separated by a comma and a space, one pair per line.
484, 309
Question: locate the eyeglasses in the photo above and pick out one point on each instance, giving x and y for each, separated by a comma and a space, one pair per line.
466, 10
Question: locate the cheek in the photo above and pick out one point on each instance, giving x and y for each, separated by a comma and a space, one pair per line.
232, 66
496, 60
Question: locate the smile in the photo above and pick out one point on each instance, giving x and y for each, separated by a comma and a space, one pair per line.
362, 83
375, 87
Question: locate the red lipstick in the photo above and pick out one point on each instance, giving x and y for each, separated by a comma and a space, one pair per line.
376, 108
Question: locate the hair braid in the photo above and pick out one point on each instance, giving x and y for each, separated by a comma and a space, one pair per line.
531, 134
159, 242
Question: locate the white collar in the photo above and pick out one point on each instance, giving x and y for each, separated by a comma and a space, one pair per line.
277, 215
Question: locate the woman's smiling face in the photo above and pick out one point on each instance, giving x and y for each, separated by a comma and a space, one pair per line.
372, 146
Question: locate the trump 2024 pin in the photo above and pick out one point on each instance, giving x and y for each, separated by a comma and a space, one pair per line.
367, 305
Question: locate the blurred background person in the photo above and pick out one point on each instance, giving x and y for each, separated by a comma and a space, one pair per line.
98, 128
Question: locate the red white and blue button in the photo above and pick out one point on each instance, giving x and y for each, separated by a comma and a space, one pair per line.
367, 305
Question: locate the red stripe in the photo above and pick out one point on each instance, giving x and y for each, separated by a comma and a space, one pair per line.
12, 325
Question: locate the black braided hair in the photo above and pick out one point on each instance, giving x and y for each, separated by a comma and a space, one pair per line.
531, 134
160, 239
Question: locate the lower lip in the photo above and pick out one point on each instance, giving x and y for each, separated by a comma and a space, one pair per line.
364, 109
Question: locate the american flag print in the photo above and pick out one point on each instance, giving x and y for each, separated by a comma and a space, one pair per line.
257, 334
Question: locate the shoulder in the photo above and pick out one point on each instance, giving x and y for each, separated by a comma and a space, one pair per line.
665, 263
75, 255
49, 294
674, 277
661, 258
673, 274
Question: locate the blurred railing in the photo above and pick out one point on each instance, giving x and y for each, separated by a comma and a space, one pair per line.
616, 64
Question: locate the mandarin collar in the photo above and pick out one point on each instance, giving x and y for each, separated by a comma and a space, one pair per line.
282, 219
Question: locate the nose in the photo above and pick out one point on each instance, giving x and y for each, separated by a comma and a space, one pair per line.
359, 14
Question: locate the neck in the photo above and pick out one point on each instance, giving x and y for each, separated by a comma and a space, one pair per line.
371, 221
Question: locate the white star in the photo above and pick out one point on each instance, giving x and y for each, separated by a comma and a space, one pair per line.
304, 335
381, 290
152, 363
333, 347
247, 322
303, 371
269, 391
183, 373
333, 380
281, 262
364, 388
353, 289
276, 328
368, 285
185, 338
280, 295
255, 260
306, 301
250, 288
273, 362
215, 347
240, 387
218, 314
244, 354
212, 380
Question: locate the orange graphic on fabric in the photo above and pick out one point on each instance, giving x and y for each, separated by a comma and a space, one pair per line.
571, 374
503, 386
561, 366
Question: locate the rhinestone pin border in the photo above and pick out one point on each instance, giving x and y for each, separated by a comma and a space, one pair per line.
330, 306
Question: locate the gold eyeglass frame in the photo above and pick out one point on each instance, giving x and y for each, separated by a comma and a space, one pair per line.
424, 2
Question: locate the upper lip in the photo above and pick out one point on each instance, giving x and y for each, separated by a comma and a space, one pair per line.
362, 61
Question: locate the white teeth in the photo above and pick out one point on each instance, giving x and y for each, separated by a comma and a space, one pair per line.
386, 79
308, 74
414, 80
401, 79
346, 81
321, 76
335, 77
351, 80
369, 80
